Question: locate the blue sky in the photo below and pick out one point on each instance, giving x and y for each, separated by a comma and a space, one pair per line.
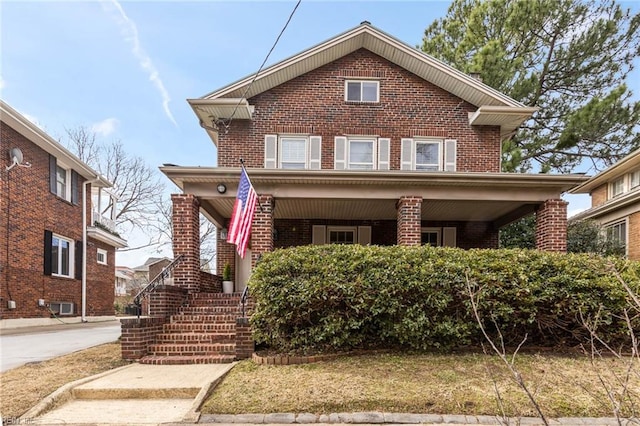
126, 68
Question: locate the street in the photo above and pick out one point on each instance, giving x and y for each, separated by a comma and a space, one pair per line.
34, 344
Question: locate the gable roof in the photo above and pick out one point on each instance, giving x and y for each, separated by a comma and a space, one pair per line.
494, 107
26, 128
627, 164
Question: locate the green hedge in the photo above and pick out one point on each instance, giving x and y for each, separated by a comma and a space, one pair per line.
339, 297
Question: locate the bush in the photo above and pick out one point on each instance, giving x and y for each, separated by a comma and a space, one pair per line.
338, 297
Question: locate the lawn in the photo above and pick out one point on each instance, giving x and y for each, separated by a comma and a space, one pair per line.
563, 385
23, 387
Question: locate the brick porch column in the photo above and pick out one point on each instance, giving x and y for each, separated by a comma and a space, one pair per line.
551, 226
409, 220
186, 241
262, 228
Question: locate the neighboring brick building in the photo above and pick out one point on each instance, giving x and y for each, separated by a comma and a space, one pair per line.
615, 202
44, 271
362, 139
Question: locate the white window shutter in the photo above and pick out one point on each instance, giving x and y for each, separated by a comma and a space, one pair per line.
449, 236
318, 235
449, 155
270, 151
340, 153
406, 155
364, 235
315, 152
383, 153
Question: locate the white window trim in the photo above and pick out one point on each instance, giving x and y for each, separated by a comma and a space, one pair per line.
72, 256
374, 157
624, 221
612, 193
438, 232
353, 229
637, 185
102, 252
67, 183
306, 149
346, 91
439, 142
60, 305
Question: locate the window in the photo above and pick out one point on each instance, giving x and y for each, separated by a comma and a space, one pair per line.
292, 152
617, 187
62, 255
361, 154
102, 256
634, 180
62, 182
617, 233
431, 236
61, 308
428, 154
341, 235
362, 91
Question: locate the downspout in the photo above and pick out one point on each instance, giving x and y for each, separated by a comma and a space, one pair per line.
84, 246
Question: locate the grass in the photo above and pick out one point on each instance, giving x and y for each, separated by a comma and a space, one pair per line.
23, 387
565, 386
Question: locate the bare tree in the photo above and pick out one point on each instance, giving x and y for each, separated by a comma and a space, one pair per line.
137, 186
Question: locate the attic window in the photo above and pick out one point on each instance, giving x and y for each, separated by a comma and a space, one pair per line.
362, 91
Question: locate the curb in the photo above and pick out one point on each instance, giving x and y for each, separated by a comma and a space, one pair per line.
403, 418
63, 394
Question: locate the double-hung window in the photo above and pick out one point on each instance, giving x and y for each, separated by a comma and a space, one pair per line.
617, 234
362, 91
292, 152
634, 179
63, 181
62, 255
617, 187
362, 154
428, 154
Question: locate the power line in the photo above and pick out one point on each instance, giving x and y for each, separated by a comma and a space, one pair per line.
227, 124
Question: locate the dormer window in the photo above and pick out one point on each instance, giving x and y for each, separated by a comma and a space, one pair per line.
362, 91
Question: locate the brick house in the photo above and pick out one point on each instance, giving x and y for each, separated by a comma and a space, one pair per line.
364, 139
360, 139
52, 262
615, 202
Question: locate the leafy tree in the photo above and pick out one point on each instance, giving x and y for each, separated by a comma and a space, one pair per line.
586, 236
570, 58
519, 234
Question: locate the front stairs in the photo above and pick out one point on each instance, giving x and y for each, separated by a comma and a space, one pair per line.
202, 332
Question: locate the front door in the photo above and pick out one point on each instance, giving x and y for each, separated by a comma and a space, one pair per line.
243, 271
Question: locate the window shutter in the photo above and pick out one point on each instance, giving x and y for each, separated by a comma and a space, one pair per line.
48, 240
270, 151
449, 236
406, 155
52, 174
383, 153
75, 190
340, 153
449, 155
364, 235
315, 151
78, 265
319, 236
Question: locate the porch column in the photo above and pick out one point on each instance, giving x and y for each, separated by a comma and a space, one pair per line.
551, 226
409, 220
186, 241
262, 228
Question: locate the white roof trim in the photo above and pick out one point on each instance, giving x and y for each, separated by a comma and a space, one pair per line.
620, 168
364, 36
32, 132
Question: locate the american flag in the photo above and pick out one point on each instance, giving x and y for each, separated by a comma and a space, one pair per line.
242, 216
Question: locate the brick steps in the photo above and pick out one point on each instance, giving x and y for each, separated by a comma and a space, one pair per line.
192, 349
210, 318
193, 337
209, 310
182, 360
199, 327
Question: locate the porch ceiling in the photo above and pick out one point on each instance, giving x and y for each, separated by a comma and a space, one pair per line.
330, 194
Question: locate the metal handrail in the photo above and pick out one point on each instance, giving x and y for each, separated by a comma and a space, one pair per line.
243, 299
155, 282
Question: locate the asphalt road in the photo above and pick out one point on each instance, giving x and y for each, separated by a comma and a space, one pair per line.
35, 344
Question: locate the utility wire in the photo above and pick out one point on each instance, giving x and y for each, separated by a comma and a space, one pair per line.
228, 123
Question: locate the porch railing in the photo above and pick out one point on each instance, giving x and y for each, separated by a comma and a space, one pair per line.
155, 282
96, 217
243, 300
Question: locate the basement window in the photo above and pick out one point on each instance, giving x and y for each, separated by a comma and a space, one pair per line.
61, 308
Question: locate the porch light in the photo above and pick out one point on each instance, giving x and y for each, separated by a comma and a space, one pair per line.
223, 234
222, 188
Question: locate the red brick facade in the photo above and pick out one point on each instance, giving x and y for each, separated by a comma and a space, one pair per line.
186, 241
314, 104
409, 221
551, 226
27, 209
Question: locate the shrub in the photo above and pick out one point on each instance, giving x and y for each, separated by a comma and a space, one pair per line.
338, 297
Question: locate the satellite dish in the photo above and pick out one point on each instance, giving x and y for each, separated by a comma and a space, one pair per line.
16, 157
